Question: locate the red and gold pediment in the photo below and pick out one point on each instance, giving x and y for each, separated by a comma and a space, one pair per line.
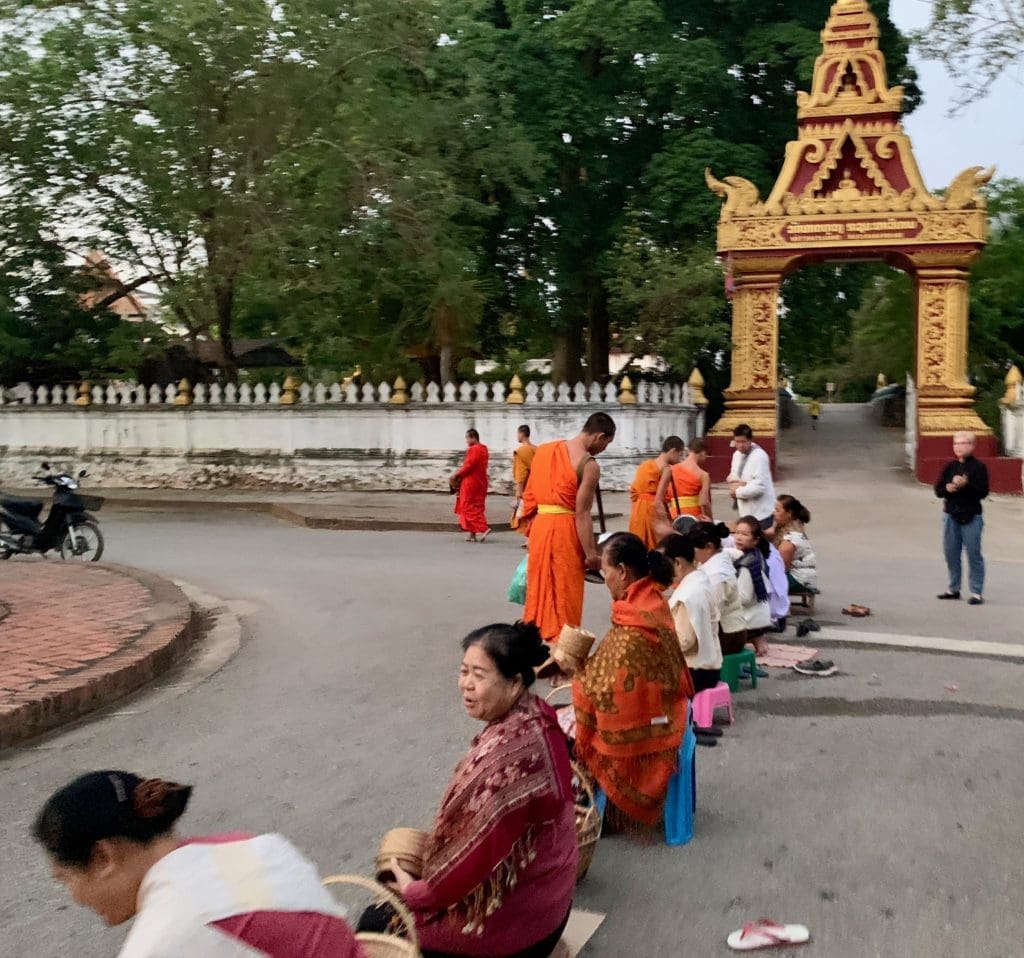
852, 158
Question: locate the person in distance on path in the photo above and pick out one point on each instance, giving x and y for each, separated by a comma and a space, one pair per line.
963, 484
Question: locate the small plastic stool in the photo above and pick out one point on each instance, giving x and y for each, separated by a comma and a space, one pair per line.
705, 703
731, 669
681, 800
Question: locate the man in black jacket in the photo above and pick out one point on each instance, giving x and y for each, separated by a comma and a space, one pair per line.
963, 484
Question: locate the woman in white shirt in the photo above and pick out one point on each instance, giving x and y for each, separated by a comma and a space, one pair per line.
752, 578
790, 538
693, 610
717, 565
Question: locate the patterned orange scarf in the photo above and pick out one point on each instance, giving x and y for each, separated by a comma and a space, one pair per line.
631, 703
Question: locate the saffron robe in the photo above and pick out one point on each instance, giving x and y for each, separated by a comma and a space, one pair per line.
522, 463
641, 494
687, 488
554, 574
472, 497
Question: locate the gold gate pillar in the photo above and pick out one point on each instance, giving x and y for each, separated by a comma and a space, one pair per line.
751, 396
945, 399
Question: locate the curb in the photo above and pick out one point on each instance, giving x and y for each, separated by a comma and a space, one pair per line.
175, 625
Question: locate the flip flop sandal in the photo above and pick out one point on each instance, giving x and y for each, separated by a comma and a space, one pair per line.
592, 575
857, 611
816, 667
765, 933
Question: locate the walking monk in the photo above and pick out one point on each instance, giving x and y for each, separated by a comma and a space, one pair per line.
686, 488
559, 498
522, 462
647, 522
471, 483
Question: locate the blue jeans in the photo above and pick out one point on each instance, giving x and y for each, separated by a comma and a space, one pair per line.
956, 537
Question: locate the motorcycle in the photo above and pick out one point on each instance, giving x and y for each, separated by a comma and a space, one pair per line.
69, 525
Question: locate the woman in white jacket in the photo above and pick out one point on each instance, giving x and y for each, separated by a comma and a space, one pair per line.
717, 565
753, 580
692, 605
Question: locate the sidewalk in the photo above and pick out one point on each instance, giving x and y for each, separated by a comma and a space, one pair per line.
78, 637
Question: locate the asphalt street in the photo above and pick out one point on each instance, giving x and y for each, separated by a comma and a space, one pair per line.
880, 807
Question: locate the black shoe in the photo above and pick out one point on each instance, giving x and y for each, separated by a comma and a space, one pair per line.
975, 600
706, 740
802, 629
948, 595
780, 626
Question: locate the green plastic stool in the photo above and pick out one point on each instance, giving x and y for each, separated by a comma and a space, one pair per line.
731, 669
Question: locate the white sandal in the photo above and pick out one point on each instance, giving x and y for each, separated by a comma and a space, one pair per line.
765, 933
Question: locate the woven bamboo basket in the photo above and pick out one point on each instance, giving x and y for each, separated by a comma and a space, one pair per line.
378, 945
408, 846
569, 653
588, 819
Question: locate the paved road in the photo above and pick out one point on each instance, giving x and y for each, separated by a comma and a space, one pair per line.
880, 807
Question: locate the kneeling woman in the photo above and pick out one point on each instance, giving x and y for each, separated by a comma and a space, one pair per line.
500, 865
110, 838
631, 695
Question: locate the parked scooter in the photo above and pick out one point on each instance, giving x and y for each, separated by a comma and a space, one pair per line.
68, 526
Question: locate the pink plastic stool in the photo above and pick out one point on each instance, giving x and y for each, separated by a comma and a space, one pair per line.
705, 703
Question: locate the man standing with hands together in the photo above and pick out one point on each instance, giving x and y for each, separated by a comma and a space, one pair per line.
963, 484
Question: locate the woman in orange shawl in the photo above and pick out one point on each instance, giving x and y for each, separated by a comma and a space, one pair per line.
631, 695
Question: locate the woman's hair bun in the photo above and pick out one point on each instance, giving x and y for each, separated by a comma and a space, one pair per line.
722, 529
156, 801
532, 646
662, 569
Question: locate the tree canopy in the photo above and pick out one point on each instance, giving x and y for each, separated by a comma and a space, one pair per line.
400, 185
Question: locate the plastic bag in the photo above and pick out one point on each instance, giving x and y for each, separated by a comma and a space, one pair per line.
517, 587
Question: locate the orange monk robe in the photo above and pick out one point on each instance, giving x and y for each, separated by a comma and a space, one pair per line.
554, 573
641, 494
472, 496
522, 462
687, 488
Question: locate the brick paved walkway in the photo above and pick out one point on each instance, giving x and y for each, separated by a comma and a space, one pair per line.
77, 637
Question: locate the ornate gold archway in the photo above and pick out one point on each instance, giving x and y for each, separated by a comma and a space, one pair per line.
850, 188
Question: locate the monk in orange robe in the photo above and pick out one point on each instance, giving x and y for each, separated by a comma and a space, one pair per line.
470, 483
522, 462
557, 503
686, 489
646, 522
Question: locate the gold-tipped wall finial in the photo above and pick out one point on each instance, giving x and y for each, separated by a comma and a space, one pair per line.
626, 395
400, 396
515, 391
696, 384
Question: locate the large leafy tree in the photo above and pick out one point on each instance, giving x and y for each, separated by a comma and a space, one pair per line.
172, 133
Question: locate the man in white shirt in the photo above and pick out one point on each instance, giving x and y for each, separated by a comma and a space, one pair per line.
750, 478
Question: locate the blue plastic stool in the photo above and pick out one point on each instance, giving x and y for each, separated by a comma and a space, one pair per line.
681, 800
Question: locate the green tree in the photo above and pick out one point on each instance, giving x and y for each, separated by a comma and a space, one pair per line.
978, 41
169, 133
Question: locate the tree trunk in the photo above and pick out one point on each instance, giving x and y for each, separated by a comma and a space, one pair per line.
224, 294
599, 334
447, 373
567, 366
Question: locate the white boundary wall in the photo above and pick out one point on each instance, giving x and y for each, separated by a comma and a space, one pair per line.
355, 442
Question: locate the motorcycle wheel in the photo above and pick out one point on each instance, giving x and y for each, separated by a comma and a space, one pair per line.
5, 553
87, 545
